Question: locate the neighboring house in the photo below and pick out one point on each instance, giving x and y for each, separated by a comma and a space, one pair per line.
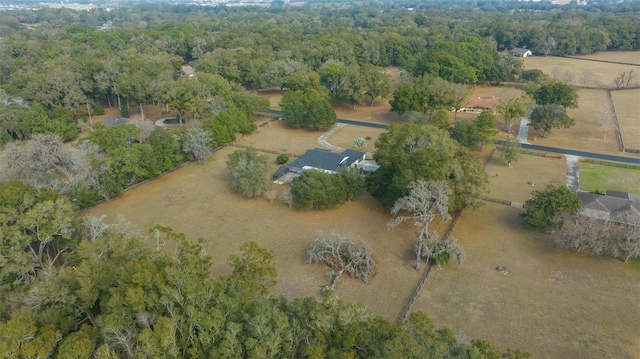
614, 206
321, 160
519, 52
479, 104
188, 71
115, 121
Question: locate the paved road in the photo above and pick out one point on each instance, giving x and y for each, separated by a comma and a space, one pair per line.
598, 156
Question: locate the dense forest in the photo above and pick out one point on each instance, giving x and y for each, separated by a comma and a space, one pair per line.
74, 287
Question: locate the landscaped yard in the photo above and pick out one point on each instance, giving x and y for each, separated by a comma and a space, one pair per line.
601, 177
553, 304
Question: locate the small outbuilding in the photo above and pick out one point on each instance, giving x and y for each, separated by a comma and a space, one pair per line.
520, 52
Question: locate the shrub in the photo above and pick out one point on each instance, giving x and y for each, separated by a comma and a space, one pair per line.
98, 110
282, 158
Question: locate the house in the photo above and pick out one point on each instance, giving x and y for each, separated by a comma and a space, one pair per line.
188, 71
115, 121
519, 52
321, 160
613, 206
479, 104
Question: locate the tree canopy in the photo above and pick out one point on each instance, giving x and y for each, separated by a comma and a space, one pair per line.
545, 206
413, 152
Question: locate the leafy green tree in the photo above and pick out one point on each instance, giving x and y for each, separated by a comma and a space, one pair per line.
318, 190
226, 124
484, 127
411, 152
548, 117
510, 151
353, 180
465, 134
166, 148
249, 172
308, 108
513, 105
557, 93
110, 138
376, 83
547, 204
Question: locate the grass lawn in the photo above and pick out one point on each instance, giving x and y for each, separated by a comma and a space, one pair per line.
554, 304
595, 176
628, 114
511, 183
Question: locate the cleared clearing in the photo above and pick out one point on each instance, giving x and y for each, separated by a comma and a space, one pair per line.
580, 72
628, 57
627, 105
554, 304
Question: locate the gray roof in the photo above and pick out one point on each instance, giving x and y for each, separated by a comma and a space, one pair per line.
614, 208
115, 121
325, 159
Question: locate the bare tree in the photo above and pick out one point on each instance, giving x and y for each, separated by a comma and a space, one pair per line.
286, 196
95, 226
360, 144
548, 46
271, 194
567, 77
606, 117
514, 104
630, 243
197, 142
425, 201
624, 79
41, 162
341, 254
145, 127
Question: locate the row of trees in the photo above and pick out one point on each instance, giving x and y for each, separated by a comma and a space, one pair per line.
78, 287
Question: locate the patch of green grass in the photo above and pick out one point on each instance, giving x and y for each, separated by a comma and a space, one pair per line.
601, 177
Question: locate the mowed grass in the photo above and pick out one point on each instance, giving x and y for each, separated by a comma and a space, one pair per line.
627, 106
586, 134
511, 183
629, 57
594, 176
553, 304
580, 72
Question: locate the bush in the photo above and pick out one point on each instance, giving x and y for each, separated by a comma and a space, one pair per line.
282, 159
98, 110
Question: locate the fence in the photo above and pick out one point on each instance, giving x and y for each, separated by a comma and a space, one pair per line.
611, 164
423, 279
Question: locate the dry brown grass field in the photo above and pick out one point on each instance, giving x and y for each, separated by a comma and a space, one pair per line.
580, 72
553, 304
627, 105
198, 200
586, 134
629, 57
511, 183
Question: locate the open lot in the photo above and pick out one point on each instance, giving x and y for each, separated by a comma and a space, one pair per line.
627, 105
586, 134
511, 183
629, 57
594, 176
554, 304
580, 72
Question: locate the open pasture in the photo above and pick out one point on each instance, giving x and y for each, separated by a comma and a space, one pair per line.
553, 304
511, 183
587, 133
627, 105
198, 200
580, 72
624, 57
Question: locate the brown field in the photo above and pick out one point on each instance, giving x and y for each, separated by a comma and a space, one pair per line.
628, 57
511, 183
580, 72
198, 201
627, 105
554, 304
586, 134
